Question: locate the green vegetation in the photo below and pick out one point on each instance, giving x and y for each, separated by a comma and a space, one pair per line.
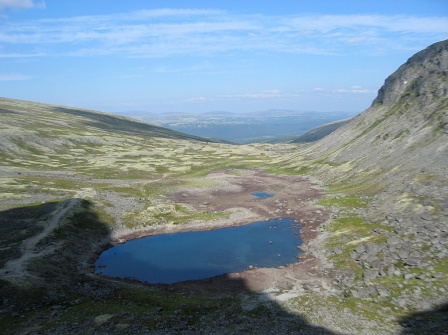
126, 175
343, 202
168, 213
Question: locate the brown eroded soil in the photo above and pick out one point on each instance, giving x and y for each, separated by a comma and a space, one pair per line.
231, 191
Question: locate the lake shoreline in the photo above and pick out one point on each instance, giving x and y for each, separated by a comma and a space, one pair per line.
295, 198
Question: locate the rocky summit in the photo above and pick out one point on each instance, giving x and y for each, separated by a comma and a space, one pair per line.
371, 199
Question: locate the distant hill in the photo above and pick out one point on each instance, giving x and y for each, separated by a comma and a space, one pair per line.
320, 132
219, 113
47, 116
251, 127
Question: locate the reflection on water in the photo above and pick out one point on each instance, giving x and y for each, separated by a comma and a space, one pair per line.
171, 258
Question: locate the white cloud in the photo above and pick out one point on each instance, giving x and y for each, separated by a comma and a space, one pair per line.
21, 4
14, 77
199, 99
355, 89
21, 55
266, 94
277, 94
312, 24
172, 32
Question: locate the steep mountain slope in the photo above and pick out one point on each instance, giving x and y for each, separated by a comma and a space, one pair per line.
387, 173
320, 132
405, 130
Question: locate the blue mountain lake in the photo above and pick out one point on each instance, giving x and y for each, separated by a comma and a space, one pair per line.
171, 258
262, 195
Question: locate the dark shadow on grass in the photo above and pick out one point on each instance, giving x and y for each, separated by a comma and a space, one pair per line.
431, 322
64, 296
52, 275
62, 286
18, 224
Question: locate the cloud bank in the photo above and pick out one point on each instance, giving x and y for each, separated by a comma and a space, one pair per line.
20, 4
174, 32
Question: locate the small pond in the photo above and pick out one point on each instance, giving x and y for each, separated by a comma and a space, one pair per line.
263, 195
171, 258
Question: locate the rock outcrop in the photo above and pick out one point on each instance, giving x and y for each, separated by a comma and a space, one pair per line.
396, 153
405, 129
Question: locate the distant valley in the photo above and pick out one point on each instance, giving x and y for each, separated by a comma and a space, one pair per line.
371, 201
268, 126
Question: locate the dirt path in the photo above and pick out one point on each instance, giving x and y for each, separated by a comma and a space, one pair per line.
17, 267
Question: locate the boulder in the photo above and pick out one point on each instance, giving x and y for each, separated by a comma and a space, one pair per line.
403, 253
354, 255
370, 274
372, 290
338, 249
383, 292
372, 249
412, 262
394, 240
361, 248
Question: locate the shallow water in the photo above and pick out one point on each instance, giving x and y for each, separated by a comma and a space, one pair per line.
263, 195
171, 258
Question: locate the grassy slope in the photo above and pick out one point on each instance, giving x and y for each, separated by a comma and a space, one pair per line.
49, 154
122, 168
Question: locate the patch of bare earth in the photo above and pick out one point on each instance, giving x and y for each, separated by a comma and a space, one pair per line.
295, 197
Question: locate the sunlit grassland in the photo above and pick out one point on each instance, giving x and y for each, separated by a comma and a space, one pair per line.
124, 173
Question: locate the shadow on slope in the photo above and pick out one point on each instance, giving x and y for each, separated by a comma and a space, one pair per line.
61, 295
60, 286
434, 321
18, 224
56, 260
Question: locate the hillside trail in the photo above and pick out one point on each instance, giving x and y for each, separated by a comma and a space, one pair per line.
16, 268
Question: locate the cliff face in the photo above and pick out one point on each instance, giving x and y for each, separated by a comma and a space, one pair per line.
423, 75
405, 131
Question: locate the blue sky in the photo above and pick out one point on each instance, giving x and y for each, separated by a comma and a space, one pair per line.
200, 56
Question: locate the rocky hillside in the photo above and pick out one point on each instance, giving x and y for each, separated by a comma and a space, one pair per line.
404, 132
387, 172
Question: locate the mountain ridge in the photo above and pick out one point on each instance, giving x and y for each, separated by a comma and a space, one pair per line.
320, 132
411, 108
